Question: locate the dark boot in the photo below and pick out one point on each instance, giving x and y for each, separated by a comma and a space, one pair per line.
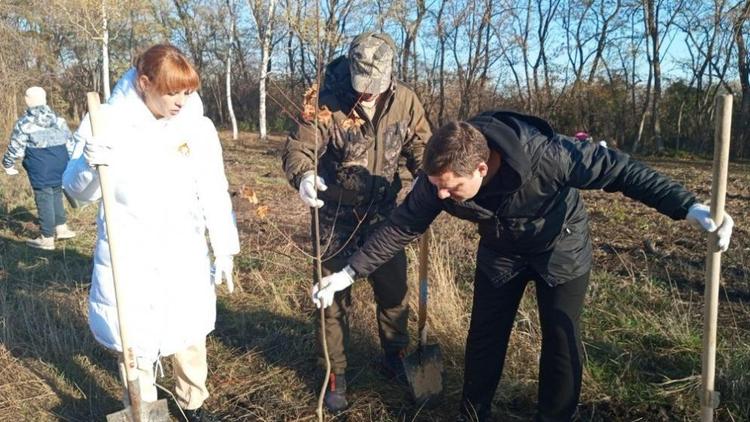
199, 415
478, 413
393, 366
335, 398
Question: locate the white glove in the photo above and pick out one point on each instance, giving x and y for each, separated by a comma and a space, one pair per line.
10, 171
97, 151
699, 215
223, 270
603, 143
307, 190
333, 283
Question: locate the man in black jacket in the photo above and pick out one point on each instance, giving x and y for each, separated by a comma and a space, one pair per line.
519, 181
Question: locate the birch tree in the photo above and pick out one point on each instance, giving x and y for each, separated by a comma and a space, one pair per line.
264, 15
92, 18
230, 43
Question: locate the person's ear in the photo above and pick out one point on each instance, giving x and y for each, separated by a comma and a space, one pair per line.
483, 169
143, 83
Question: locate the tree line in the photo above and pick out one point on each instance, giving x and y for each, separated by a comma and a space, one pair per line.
641, 74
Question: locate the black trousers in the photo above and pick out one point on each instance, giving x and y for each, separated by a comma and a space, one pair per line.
493, 312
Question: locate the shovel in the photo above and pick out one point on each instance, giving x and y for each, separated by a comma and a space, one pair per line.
137, 411
424, 366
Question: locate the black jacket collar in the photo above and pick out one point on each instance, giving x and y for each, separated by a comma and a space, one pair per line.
508, 132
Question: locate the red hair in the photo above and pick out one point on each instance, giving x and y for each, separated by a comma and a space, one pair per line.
168, 69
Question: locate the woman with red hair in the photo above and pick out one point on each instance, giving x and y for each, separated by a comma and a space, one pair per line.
166, 169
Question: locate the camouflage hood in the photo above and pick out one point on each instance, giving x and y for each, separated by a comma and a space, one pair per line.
41, 116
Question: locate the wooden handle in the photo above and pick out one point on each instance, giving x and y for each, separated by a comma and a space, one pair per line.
424, 252
709, 397
108, 200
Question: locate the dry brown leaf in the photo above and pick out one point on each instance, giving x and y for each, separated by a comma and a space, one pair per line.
352, 121
247, 193
308, 106
262, 211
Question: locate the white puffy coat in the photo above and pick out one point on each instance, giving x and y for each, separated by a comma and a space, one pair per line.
169, 188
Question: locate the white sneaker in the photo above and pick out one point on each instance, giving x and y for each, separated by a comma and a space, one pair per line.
41, 242
63, 232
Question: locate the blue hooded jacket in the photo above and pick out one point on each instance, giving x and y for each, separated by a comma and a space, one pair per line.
45, 143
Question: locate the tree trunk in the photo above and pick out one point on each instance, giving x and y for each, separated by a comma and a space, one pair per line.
230, 4
441, 70
262, 92
264, 18
679, 125
411, 31
743, 67
105, 54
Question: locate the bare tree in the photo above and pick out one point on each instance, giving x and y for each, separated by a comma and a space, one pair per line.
265, 18
189, 23
92, 19
411, 28
471, 51
230, 42
442, 39
707, 37
335, 20
546, 13
657, 30
587, 26
740, 29
634, 93
606, 15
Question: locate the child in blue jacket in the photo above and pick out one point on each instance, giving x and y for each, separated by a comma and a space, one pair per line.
45, 143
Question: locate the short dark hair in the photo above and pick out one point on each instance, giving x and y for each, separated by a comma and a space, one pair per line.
456, 146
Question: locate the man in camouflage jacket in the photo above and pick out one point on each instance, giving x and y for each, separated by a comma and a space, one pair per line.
366, 122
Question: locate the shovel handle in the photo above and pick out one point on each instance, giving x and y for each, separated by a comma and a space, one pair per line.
710, 397
424, 251
108, 200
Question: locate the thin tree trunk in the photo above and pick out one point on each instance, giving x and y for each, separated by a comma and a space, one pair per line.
410, 39
679, 125
743, 68
216, 91
230, 4
441, 70
105, 54
638, 138
262, 93
264, 19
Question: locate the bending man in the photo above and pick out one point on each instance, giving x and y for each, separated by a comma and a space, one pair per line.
520, 182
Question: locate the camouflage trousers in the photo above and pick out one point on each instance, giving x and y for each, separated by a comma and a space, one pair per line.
342, 233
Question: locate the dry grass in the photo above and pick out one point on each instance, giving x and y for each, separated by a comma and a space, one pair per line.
642, 322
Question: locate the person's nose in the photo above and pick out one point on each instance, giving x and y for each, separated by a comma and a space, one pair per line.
180, 100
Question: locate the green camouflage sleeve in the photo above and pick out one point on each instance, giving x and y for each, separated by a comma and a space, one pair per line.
417, 137
298, 157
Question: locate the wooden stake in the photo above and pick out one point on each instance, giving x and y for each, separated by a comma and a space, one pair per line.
709, 397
